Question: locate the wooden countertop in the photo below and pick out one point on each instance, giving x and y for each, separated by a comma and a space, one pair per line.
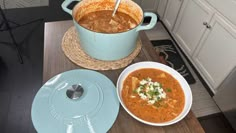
56, 62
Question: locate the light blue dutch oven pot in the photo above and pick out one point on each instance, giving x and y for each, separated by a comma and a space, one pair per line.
105, 46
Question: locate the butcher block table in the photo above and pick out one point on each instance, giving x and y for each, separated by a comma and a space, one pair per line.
56, 62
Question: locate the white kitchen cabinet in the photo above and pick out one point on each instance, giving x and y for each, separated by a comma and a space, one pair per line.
189, 26
215, 56
206, 32
225, 7
171, 12
161, 8
148, 5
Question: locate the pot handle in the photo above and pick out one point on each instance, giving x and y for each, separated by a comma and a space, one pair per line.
152, 22
65, 4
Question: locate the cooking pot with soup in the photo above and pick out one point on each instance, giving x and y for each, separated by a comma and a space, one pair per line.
105, 37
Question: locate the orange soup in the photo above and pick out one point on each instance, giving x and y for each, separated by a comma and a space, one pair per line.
102, 21
153, 95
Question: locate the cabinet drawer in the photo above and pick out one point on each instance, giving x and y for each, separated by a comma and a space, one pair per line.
226, 8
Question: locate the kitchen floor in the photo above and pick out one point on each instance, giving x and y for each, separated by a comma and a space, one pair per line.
20, 82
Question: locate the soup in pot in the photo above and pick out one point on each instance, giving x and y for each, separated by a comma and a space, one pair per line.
102, 21
153, 95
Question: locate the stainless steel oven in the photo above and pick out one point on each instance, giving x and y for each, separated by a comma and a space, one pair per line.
226, 98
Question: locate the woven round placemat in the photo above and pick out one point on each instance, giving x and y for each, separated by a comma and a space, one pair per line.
72, 49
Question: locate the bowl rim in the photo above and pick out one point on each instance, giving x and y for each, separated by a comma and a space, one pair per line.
151, 64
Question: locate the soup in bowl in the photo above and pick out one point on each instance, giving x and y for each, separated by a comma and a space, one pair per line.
154, 94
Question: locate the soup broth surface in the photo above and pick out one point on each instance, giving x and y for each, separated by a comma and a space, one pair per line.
139, 99
102, 21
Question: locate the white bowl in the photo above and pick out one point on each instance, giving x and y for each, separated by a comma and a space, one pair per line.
174, 73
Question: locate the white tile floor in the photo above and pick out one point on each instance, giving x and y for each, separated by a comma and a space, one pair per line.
203, 104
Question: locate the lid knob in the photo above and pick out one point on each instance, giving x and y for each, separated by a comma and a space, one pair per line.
75, 91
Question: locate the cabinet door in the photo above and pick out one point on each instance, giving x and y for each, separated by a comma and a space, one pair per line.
216, 55
189, 26
171, 12
148, 5
161, 8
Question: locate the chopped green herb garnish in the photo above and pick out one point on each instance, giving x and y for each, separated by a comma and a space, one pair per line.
141, 86
141, 91
135, 91
156, 93
150, 91
168, 90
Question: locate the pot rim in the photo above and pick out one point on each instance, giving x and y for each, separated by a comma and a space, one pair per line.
140, 22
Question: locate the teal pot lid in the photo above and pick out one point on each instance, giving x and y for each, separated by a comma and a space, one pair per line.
75, 101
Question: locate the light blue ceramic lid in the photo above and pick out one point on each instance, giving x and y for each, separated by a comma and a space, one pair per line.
94, 111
